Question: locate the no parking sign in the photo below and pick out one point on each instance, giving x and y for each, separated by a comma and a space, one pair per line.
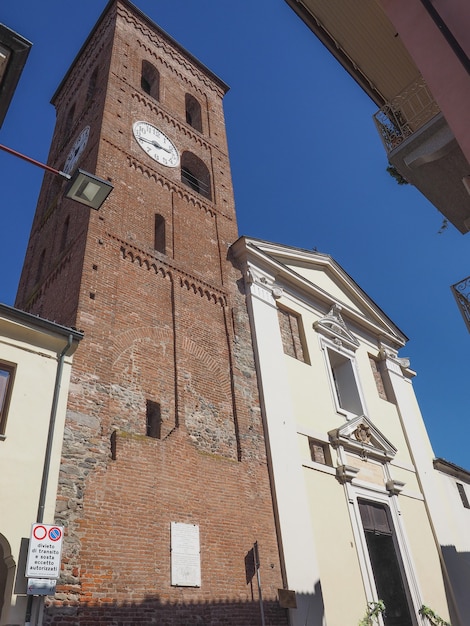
45, 547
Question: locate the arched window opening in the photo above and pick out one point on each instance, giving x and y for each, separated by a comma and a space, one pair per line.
69, 120
153, 425
92, 84
150, 80
40, 265
195, 174
189, 179
193, 112
65, 233
54, 196
159, 234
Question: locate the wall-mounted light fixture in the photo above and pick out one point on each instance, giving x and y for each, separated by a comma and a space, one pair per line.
83, 187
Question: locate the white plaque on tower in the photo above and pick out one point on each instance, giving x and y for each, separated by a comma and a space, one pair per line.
185, 555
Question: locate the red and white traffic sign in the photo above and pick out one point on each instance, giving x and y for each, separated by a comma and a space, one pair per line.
45, 547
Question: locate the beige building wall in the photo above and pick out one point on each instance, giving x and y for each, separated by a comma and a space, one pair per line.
33, 347
451, 518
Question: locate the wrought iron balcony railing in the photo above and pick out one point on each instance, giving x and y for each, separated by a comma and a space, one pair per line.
461, 291
409, 111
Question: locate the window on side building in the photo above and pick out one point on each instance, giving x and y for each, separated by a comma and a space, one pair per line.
463, 495
7, 373
69, 120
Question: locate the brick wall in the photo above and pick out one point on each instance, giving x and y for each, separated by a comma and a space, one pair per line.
171, 328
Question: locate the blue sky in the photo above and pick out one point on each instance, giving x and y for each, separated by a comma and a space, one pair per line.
307, 165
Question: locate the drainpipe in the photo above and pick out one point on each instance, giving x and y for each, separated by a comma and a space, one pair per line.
50, 434
448, 35
47, 461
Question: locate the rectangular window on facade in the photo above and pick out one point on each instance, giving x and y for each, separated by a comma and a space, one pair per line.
6, 382
159, 235
290, 326
153, 420
345, 384
463, 495
320, 452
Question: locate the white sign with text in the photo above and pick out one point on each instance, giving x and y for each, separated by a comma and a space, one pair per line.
45, 548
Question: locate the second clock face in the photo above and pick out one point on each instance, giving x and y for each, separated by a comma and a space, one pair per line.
156, 144
77, 149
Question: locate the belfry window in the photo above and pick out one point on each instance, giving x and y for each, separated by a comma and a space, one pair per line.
150, 80
65, 233
40, 266
193, 112
92, 84
69, 120
195, 174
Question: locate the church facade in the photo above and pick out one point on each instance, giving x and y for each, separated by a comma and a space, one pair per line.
351, 461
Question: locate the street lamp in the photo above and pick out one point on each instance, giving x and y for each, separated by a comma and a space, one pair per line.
82, 186
14, 50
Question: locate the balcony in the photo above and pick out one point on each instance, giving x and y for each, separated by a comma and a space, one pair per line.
422, 147
405, 114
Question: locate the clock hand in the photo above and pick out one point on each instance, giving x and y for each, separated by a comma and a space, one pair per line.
154, 143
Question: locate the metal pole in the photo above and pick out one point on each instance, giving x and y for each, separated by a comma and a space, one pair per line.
34, 162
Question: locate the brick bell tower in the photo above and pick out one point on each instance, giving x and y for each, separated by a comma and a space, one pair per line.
164, 486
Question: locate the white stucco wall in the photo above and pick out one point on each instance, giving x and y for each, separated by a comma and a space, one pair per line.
34, 352
320, 528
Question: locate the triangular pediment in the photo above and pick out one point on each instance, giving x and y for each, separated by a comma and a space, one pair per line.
359, 435
332, 325
322, 281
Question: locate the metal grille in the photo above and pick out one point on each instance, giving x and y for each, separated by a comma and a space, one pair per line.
196, 184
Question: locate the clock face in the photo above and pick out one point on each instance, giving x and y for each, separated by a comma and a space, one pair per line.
156, 144
77, 149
